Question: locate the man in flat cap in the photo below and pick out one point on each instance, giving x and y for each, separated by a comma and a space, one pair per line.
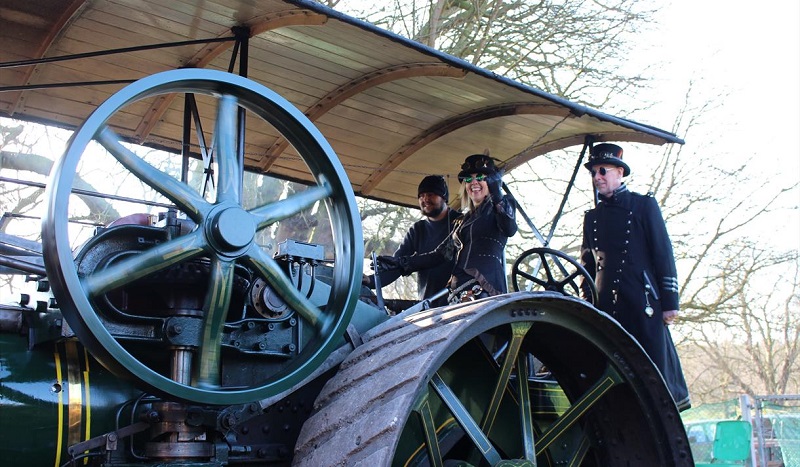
424, 236
628, 252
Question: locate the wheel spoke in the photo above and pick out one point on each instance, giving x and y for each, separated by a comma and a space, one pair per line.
218, 299
580, 452
179, 193
270, 270
425, 415
548, 271
141, 264
608, 380
525, 410
524, 274
230, 173
570, 279
518, 332
465, 420
540, 282
282, 209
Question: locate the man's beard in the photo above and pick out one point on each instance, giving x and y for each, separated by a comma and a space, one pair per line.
434, 212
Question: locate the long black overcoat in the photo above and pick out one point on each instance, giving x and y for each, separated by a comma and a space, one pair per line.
627, 251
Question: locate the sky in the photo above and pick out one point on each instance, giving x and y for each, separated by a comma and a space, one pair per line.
748, 52
752, 51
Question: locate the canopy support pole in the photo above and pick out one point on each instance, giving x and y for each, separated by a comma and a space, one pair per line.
588, 141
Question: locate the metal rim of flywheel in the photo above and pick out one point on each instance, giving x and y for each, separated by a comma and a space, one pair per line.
218, 234
440, 372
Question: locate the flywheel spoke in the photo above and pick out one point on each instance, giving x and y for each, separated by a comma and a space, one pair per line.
230, 175
274, 212
218, 299
187, 200
136, 266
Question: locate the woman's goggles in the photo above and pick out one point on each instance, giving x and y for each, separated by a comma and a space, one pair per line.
478, 163
479, 178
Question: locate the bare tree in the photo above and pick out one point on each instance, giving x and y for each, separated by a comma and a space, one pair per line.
749, 343
573, 49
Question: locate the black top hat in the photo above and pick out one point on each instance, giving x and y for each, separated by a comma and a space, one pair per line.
477, 164
433, 184
608, 153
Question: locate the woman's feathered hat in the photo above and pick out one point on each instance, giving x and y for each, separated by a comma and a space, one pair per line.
477, 164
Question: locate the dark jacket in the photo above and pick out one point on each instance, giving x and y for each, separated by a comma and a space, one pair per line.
627, 251
477, 245
424, 236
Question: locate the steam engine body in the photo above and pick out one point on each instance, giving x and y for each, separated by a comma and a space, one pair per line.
59, 403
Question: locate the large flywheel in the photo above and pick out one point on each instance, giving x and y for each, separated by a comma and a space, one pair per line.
187, 343
520, 379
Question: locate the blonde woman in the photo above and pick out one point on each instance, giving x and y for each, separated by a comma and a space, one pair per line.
477, 243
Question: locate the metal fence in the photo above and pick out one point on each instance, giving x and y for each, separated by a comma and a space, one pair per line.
775, 421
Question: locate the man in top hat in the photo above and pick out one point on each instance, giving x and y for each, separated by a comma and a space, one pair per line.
627, 251
424, 236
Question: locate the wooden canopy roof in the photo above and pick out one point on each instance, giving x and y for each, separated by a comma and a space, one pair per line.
392, 109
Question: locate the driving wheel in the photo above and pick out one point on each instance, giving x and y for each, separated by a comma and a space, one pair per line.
459, 386
551, 270
221, 247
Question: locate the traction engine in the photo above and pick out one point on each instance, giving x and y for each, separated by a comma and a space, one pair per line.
182, 339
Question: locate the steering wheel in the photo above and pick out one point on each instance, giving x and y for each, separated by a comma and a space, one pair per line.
224, 236
545, 268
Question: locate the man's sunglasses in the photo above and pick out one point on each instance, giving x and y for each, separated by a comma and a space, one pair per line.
479, 178
603, 171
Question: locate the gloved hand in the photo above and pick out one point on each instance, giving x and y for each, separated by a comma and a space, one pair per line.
493, 182
387, 263
406, 264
